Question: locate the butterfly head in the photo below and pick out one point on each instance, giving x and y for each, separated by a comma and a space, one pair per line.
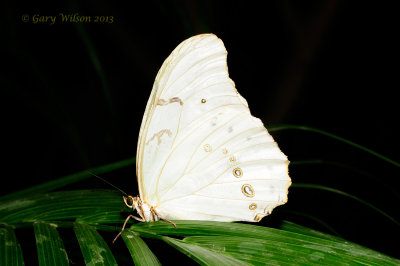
146, 212
131, 202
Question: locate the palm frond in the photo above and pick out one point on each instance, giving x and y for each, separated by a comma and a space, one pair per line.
208, 243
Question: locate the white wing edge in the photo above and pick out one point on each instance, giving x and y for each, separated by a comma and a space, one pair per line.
155, 92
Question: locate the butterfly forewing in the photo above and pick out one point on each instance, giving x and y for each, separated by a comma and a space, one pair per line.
201, 155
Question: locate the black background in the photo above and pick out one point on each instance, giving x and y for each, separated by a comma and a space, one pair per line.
73, 95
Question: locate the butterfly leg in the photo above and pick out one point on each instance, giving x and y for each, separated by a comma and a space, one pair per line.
123, 227
168, 221
156, 216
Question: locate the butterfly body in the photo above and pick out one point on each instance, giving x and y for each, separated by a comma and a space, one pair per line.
145, 211
201, 154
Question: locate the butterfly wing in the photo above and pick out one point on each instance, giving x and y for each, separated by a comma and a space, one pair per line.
201, 154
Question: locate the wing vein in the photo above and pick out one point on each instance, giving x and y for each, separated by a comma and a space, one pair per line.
191, 157
189, 68
173, 151
236, 151
213, 182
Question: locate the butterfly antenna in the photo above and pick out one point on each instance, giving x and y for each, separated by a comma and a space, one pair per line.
102, 179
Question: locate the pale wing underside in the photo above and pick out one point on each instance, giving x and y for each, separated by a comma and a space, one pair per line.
201, 155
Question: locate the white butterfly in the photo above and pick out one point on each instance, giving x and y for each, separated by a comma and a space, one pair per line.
201, 154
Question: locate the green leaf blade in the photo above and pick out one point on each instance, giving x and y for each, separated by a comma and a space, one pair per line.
260, 251
202, 255
327, 134
295, 228
140, 252
252, 233
10, 249
339, 192
63, 205
94, 249
67, 180
50, 247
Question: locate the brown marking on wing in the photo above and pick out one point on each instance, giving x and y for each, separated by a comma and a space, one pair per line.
172, 100
158, 135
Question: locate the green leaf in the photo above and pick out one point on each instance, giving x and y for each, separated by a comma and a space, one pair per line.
314, 219
201, 255
90, 205
140, 252
67, 180
361, 173
206, 242
261, 252
278, 241
50, 247
322, 132
107, 216
10, 250
295, 228
94, 249
320, 187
